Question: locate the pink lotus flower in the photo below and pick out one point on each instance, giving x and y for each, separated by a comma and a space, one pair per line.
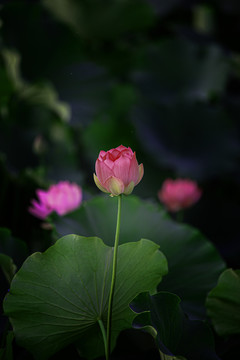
179, 194
117, 171
62, 198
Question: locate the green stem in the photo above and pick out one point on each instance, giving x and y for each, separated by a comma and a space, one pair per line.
179, 216
114, 270
170, 357
165, 357
104, 337
162, 356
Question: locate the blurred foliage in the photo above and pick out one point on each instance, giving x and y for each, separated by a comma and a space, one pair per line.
163, 77
223, 303
91, 19
172, 337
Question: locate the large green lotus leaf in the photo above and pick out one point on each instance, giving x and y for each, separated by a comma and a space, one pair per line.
58, 296
176, 334
194, 263
223, 303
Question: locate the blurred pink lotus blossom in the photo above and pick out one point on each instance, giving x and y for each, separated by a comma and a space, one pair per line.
62, 198
179, 194
117, 171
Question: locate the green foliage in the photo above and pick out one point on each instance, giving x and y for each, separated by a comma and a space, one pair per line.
178, 69
176, 334
6, 352
34, 120
12, 247
186, 145
36, 95
10, 76
57, 297
194, 263
8, 267
93, 19
223, 303
16, 193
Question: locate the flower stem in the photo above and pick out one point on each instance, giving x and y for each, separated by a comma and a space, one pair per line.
179, 216
104, 337
170, 357
114, 270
